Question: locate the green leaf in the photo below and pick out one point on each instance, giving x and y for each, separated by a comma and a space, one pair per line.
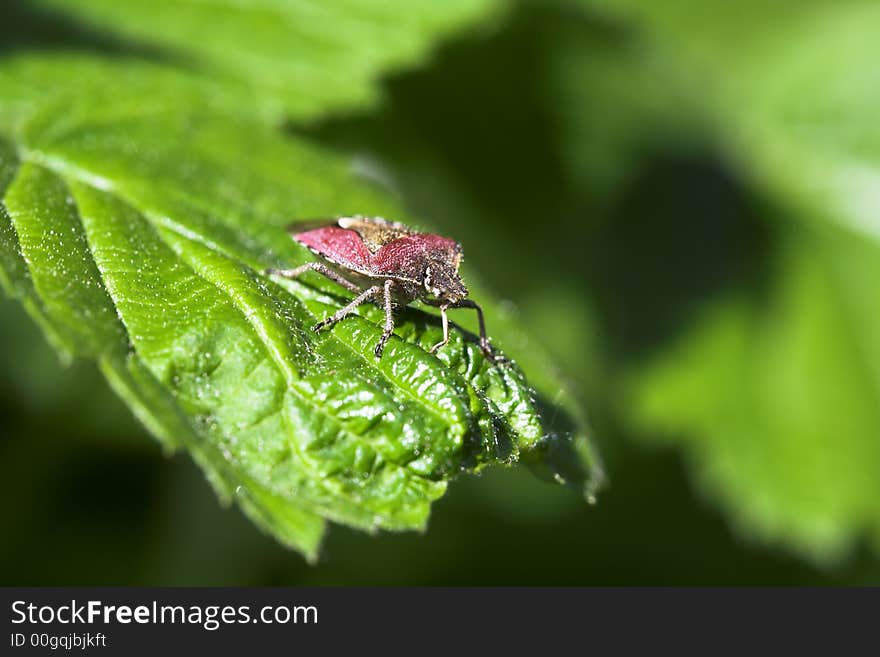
776, 398
617, 102
791, 86
278, 58
135, 229
777, 401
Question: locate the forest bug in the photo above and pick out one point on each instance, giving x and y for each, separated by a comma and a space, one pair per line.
390, 264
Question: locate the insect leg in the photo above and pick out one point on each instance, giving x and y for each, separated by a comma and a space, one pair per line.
389, 319
484, 339
339, 315
465, 303
445, 340
319, 267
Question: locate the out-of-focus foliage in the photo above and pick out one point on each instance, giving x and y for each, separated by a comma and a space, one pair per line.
273, 58
681, 198
777, 395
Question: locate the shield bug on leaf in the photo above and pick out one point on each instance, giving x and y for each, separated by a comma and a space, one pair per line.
390, 264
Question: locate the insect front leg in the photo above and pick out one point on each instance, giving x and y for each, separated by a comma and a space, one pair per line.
485, 345
339, 315
445, 340
389, 319
484, 339
318, 267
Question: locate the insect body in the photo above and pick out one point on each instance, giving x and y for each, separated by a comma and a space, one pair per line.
390, 264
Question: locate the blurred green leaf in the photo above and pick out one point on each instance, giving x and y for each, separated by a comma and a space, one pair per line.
792, 87
135, 232
616, 102
277, 58
776, 398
